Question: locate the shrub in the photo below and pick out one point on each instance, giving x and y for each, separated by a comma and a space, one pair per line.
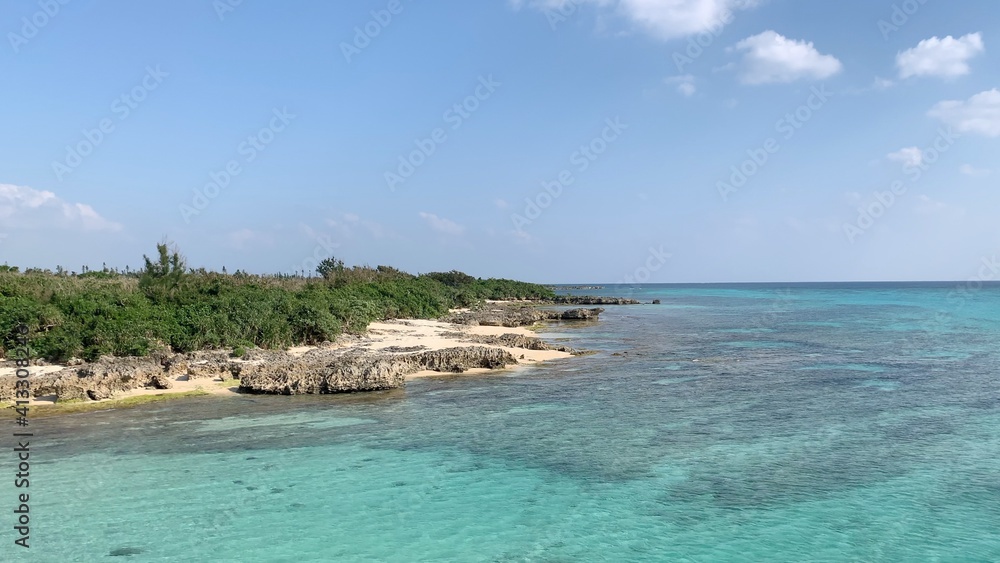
136, 313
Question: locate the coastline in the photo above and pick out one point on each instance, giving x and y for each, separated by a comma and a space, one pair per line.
438, 335
395, 337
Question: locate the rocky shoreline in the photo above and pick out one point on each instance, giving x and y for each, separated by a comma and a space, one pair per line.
352, 372
352, 364
518, 315
591, 300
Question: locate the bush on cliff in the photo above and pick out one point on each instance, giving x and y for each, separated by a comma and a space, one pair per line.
166, 305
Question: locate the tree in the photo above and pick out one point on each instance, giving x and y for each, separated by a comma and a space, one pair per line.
330, 267
453, 278
160, 279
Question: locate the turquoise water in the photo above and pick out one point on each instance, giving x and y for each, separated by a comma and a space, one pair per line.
754, 423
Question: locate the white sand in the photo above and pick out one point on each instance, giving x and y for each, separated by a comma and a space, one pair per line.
430, 335
381, 335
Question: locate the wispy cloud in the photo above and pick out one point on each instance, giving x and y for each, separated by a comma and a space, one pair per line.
348, 225
442, 225
685, 84
249, 238
665, 19
22, 207
909, 156
882, 83
979, 114
926, 206
970, 170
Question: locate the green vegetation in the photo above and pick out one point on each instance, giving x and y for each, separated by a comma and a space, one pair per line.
169, 307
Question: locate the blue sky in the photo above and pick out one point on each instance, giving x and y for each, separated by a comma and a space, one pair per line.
693, 140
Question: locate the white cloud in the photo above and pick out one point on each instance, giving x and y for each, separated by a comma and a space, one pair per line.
501, 203
979, 114
665, 19
348, 225
522, 237
442, 225
938, 210
909, 156
878, 85
943, 58
970, 170
669, 19
882, 83
771, 57
248, 238
22, 207
685, 84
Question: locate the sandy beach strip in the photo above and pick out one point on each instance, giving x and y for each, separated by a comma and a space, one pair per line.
436, 335
418, 335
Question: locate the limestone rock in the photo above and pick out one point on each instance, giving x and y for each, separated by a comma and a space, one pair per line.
359, 371
590, 300
514, 316
511, 340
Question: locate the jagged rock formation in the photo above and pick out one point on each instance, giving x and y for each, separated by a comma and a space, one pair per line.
309, 376
109, 376
511, 340
457, 360
322, 370
514, 316
591, 300
105, 378
7, 388
580, 314
364, 371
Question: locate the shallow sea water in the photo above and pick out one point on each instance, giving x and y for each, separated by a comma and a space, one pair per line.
736, 423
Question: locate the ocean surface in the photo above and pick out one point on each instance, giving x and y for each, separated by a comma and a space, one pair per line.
837, 422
